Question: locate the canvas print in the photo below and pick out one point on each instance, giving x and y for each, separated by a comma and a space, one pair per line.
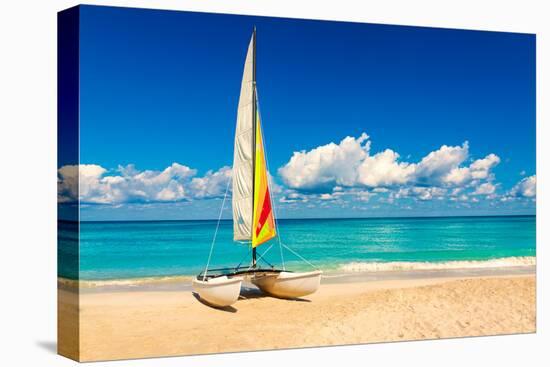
239, 183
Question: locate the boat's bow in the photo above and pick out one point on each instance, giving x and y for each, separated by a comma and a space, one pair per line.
220, 291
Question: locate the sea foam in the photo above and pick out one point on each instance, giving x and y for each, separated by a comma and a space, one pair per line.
128, 282
444, 265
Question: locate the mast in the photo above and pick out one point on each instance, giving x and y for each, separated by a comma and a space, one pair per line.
253, 218
263, 225
254, 106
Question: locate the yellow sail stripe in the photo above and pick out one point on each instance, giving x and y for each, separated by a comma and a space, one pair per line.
263, 225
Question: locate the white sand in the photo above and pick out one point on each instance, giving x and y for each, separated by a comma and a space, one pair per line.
120, 325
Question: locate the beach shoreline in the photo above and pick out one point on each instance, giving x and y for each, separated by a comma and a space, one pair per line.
145, 322
183, 282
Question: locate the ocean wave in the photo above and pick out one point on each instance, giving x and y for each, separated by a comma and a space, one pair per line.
443, 265
517, 261
129, 282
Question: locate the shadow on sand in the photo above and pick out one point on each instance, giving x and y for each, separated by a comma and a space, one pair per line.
251, 293
225, 309
247, 293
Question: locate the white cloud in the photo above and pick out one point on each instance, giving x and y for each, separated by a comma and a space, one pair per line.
438, 164
486, 188
327, 165
420, 193
293, 197
458, 176
273, 186
337, 196
175, 183
67, 184
212, 184
478, 170
326, 197
456, 191
526, 188
351, 164
364, 195
383, 169
461, 197
329, 175
481, 167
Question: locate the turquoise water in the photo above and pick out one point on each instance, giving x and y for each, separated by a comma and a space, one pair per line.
120, 250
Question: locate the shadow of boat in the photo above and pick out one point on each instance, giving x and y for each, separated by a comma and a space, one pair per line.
225, 309
248, 293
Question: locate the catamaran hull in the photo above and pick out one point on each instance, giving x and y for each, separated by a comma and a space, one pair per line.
287, 284
218, 292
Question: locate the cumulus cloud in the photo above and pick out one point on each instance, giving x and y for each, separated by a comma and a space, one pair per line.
486, 188
326, 166
526, 188
462, 197
364, 195
67, 184
352, 164
94, 184
438, 164
331, 174
212, 184
478, 170
420, 193
291, 197
383, 169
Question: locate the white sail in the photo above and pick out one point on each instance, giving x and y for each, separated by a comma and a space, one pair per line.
243, 154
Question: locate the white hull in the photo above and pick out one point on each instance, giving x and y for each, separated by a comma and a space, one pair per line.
220, 291
287, 284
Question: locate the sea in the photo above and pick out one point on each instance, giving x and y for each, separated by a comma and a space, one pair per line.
129, 250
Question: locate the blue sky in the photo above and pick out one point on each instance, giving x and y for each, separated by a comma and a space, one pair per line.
159, 91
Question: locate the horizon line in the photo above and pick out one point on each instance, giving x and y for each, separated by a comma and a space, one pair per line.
308, 218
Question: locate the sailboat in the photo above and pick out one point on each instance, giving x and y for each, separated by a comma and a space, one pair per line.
254, 221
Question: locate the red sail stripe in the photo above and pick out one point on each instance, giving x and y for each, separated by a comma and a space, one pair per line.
266, 210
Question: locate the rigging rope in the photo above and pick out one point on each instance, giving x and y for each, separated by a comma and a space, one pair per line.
242, 260
259, 258
270, 196
216, 232
281, 245
300, 256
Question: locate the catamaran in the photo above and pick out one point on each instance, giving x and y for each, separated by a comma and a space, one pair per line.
254, 221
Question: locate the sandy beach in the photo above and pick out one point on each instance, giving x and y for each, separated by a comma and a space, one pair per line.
125, 324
